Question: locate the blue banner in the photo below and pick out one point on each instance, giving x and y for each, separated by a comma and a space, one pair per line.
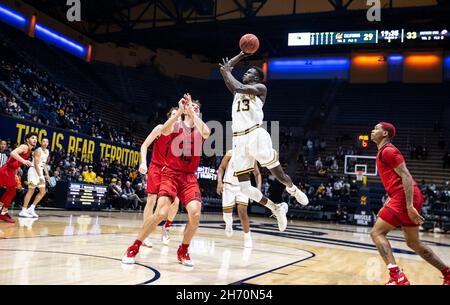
87, 148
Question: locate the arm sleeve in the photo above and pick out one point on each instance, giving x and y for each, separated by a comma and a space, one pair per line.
393, 157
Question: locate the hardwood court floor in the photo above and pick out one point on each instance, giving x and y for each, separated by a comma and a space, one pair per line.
64, 247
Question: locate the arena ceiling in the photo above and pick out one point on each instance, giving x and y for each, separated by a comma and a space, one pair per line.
213, 27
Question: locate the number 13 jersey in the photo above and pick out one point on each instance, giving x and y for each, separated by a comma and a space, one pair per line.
247, 112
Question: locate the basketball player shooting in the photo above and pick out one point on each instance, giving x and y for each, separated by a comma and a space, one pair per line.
250, 141
401, 209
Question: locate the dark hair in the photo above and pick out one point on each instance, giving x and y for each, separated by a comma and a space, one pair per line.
45, 138
29, 135
260, 72
169, 114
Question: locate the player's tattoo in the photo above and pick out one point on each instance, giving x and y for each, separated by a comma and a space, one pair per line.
427, 254
384, 252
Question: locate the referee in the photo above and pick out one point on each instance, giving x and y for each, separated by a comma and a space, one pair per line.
3, 155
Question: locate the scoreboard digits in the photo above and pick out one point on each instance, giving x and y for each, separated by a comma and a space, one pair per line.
364, 37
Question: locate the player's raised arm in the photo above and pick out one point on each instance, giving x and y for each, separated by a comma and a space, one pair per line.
167, 127
22, 149
236, 86
221, 171
198, 122
156, 132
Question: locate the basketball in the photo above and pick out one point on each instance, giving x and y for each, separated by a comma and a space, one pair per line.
249, 43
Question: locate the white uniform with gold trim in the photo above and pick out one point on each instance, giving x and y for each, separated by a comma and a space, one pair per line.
33, 177
231, 194
250, 141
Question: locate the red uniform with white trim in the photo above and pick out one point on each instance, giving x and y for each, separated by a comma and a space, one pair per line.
394, 211
8, 178
160, 148
178, 177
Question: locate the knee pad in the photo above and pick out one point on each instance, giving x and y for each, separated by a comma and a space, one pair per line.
251, 192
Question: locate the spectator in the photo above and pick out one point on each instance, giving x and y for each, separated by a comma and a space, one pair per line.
318, 164
99, 179
89, 175
115, 193
3, 155
130, 197
54, 179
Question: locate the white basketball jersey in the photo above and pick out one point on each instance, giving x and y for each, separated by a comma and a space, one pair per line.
247, 112
43, 158
229, 177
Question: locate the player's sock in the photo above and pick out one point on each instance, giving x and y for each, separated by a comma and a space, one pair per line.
228, 218
137, 242
291, 189
270, 205
167, 224
184, 247
393, 268
4, 211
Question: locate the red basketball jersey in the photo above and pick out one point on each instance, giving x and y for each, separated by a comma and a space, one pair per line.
388, 158
13, 163
160, 148
185, 149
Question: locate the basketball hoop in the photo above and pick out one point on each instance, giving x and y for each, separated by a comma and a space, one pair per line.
359, 175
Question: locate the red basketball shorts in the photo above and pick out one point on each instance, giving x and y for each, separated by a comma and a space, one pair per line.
395, 212
154, 179
178, 184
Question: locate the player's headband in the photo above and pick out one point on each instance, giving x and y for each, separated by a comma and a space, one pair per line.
389, 128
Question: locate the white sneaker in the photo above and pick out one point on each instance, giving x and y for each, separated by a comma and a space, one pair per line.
280, 213
32, 212
229, 229
299, 196
248, 243
165, 235
25, 213
147, 243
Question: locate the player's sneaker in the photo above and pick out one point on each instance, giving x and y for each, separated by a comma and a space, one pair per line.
397, 278
32, 212
24, 213
248, 243
184, 258
299, 196
165, 235
447, 278
147, 243
7, 218
280, 213
130, 255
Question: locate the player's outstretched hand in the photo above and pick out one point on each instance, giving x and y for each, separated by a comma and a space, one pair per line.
415, 216
225, 65
143, 168
27, 163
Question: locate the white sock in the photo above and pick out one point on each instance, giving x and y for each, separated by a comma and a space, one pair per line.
391, 266
247, 234
24, 209
270, 205
31, 208
228, 218
292, 189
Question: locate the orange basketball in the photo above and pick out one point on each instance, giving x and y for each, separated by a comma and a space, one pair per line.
249, 43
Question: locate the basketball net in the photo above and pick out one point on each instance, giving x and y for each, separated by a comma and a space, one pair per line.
359, 175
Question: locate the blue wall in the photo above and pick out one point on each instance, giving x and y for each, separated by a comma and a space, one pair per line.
309, 68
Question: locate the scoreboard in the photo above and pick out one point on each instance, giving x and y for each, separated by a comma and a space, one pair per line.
373, 37
82, 195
